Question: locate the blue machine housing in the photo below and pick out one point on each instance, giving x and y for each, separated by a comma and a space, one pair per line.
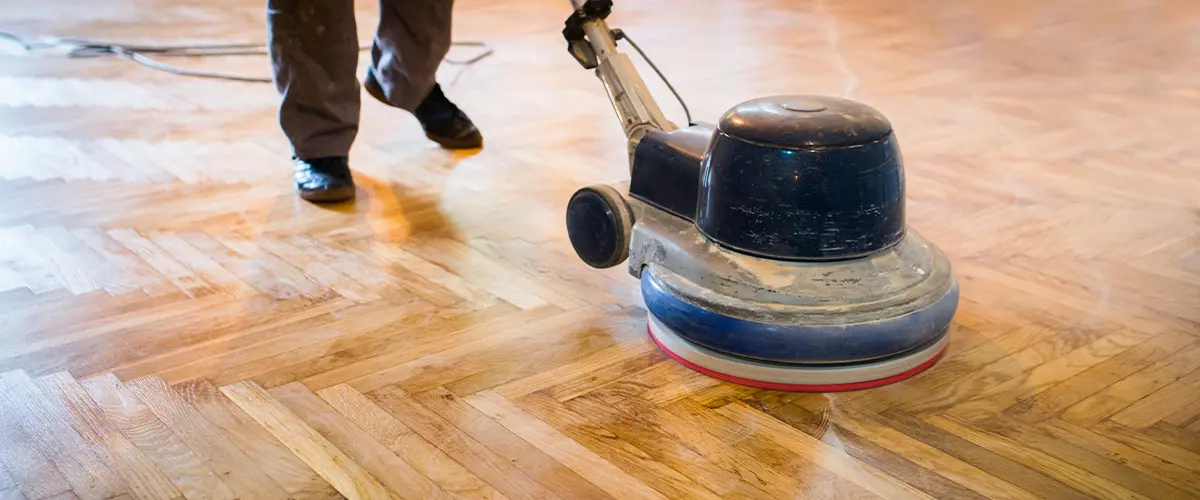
801, 343
779, 236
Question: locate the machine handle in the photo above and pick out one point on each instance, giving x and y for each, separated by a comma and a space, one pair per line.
591, 43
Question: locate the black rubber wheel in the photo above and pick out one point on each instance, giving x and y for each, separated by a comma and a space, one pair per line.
599, 223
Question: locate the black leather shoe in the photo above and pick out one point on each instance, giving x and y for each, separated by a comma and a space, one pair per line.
443, 122
324, 180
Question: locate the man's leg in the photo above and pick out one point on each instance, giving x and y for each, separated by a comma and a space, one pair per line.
314, 53
412, 39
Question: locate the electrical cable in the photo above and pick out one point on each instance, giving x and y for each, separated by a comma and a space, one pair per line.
79, 48
618, 34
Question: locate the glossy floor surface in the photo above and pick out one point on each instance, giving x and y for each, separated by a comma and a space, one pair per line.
177, 324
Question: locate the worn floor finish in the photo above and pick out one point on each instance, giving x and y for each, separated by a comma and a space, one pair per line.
177, 324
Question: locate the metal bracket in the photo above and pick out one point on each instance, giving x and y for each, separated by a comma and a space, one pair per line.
577, 44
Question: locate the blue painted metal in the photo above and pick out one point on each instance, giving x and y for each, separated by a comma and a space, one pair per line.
801, 343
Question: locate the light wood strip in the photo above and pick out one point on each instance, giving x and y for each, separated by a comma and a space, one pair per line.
1162, 403
288, 471
931, 458
1094, 464
204, 267
498, 471
1096, 378
11, 494
821, 453
319, 271
1063, 471
569, 452
135, 273
585, 368
136, 470
825, 428
193, 361
1166, 451
409, 336
204, 438
398, 354
31, 470
349, 478
665, 450
1120, 395
526, 457
162, 262
408, 445
188, 471
506, 354
612, 448
1059, 369
297, 344
35, 271
1101, 444
48, 423
392, 471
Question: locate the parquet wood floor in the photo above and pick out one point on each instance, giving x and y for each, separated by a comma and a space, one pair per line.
177, 324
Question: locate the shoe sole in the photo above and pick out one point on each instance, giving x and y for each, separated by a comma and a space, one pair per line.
473, 142
330, 196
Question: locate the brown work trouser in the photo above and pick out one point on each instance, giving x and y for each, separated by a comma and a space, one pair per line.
314, 54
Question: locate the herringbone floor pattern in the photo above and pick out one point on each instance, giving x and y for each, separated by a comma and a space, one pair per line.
176, 324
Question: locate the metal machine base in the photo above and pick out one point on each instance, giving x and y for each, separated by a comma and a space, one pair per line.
771, 247
796, 378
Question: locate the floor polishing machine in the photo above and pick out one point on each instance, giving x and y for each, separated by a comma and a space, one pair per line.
772, 247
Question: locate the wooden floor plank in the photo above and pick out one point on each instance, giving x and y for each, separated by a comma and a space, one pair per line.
930, 458
288, 471
526, 457
139, 473
11, 494
1161, 403
662, 448
187, 470
204, 268
204, 438
1133, 388
349, 478
400, 353
569, 452
150, 234
287, 337
1097, 378
1061, 470
1168, 451
1028, 479
47, 421
612, 448
391, 470
34, 473
434, 463
499, 471
197, 360
593, 369
409, 337
831, 431
1120, 452
835, 460
162, 262
1097, 465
